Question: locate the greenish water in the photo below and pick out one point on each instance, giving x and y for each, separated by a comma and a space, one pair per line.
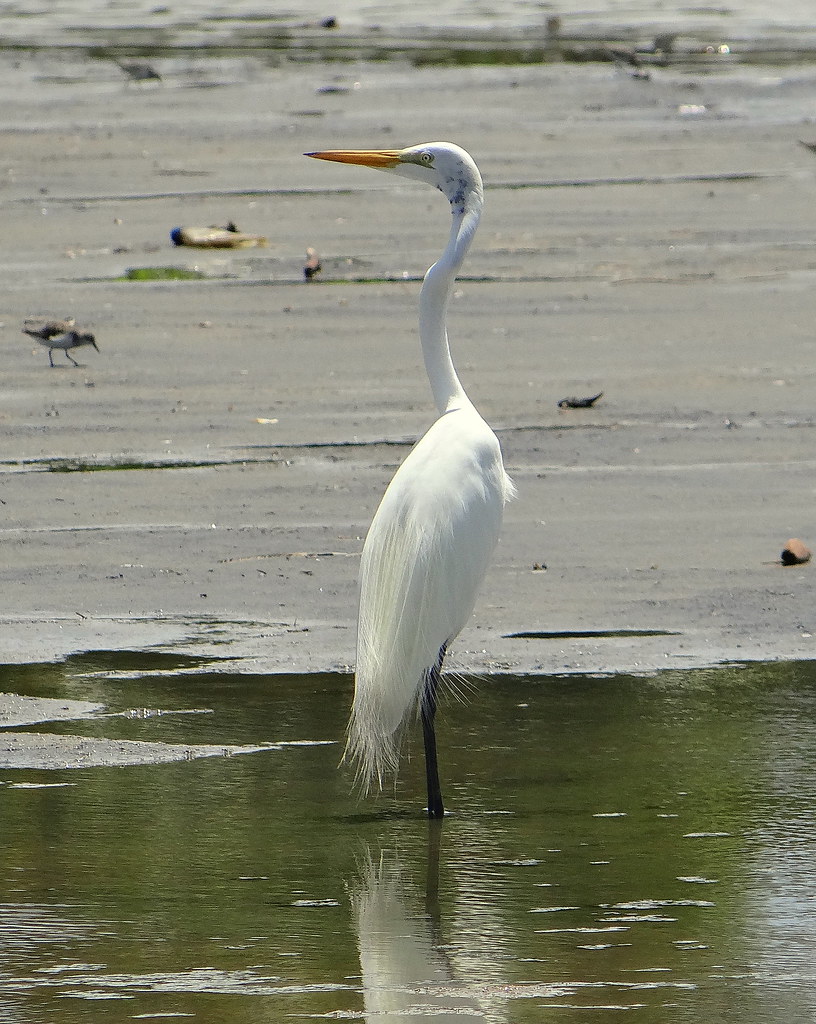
615, 844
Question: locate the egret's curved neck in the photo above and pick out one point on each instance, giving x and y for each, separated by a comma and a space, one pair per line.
433, 304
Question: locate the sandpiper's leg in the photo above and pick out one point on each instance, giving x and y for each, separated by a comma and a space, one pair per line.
69, 356
50, 356
436, 808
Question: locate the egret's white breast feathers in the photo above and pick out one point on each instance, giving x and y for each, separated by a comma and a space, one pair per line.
424, 558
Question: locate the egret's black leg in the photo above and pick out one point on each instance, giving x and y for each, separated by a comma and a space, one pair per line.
436, 808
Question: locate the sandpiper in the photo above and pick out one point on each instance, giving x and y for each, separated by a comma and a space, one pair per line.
65, 341
312, 266
137, 71
579, 403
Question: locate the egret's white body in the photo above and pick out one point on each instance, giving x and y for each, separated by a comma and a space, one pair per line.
434, 532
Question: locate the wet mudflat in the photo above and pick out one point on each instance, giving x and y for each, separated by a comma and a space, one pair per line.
205, 479
615, 843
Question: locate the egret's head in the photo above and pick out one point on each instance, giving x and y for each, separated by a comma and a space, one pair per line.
442, 164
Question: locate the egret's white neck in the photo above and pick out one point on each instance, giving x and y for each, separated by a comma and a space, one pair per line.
433, 304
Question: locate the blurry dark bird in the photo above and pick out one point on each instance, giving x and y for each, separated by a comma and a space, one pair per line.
66, 341
808, 145
138, 71
579, 403
664, 42
625, 58
43, 329
312, 266
553, 26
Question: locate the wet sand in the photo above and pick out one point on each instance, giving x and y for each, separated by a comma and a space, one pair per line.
650, 239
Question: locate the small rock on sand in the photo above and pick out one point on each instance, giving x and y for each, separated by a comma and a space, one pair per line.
795, 553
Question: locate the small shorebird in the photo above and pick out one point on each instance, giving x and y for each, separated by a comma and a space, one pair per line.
624, 58
579, 403
312, 266
137, 71
65, 340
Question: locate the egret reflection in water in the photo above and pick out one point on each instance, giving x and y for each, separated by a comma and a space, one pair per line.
404, 965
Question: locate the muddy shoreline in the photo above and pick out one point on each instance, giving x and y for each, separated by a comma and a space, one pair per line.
230, 440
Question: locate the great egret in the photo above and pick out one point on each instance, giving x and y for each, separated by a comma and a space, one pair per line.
432, 537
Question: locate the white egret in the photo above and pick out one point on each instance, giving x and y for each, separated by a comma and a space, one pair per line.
432, 537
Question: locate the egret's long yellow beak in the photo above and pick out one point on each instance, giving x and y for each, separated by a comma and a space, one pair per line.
366, 157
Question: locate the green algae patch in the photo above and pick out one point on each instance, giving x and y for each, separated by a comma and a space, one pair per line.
161, 274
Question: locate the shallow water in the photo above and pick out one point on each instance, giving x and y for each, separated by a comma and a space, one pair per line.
621, 843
